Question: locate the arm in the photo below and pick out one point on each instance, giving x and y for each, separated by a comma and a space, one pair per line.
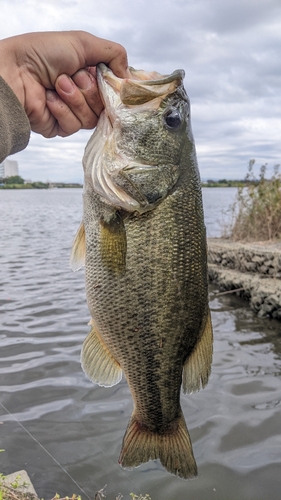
14, 124
52, 75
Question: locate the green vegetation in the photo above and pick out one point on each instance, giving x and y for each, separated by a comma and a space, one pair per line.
14, 179
15, 491
74, 497
17, 182
18, 491
29, 185
224, 183
140, 497
257, 209
65, 185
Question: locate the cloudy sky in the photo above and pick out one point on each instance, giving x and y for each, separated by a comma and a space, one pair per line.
230, 51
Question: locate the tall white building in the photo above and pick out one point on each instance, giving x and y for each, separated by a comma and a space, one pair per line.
9, 168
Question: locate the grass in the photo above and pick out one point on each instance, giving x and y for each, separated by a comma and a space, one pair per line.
17, 491
257, 209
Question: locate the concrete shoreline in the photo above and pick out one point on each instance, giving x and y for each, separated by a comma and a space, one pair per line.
254, 269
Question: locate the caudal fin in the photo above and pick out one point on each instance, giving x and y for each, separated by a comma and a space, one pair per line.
174, 449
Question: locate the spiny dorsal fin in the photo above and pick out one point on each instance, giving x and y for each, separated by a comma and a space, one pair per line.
97, 361
78, 251
197, 367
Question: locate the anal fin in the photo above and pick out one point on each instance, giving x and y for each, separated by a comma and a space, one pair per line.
197, 368
98, 363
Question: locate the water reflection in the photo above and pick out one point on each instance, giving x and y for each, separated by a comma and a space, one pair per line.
234, 423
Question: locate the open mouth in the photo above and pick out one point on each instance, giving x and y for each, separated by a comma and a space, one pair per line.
143, 87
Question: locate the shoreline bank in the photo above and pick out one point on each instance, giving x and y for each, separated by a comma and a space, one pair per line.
253, 269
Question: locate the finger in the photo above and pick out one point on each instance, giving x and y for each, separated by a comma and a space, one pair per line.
41, 119
66, 121
84, 103
87, 83
119, 62
46, 125
98, 50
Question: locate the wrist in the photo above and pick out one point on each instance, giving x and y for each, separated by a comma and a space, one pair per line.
9, 70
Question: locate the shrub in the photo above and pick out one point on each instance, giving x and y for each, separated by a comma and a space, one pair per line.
257, 209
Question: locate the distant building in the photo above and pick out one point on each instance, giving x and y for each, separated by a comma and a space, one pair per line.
10, 168
1, 170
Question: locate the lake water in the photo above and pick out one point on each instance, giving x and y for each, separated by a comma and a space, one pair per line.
67, 432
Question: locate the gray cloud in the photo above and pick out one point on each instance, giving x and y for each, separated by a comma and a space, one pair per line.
231, 55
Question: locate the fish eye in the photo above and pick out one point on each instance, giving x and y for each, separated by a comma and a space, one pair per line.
173, 119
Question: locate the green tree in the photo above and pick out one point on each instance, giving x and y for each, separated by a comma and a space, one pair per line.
14, 179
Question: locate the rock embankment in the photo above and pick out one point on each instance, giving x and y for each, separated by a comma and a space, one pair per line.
253, 269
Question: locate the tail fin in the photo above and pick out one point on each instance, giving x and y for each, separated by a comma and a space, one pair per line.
174, 448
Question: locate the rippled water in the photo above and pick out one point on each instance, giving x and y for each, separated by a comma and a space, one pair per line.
58, 417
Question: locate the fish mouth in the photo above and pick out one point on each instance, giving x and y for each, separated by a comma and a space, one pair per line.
143, 87
139, 75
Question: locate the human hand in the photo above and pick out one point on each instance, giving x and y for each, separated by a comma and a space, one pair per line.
53, 76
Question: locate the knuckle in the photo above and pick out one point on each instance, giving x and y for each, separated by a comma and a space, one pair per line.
121, 50
69, 128
90, 123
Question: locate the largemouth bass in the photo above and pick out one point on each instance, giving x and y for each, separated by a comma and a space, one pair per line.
143, 243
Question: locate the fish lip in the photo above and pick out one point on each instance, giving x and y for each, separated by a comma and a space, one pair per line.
142, 167
105, 76
139, 168
178, 74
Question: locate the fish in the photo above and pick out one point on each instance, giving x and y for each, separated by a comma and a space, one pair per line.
143, 243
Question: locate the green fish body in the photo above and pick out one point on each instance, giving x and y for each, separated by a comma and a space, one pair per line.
143, 240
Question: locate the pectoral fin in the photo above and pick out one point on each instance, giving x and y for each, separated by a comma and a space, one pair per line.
78, 251
113, 244
197, 367
97, 361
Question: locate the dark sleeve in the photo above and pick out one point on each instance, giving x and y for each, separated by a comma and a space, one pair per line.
14, 124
